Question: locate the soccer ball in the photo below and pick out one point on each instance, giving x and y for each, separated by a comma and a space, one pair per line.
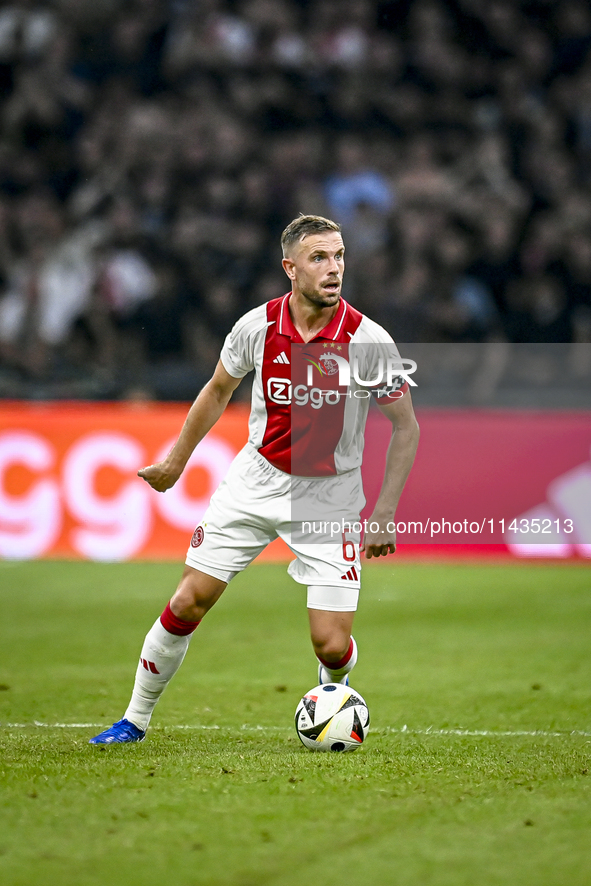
332, 717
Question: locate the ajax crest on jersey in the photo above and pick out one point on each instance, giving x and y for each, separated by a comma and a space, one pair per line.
329, 364
332, 717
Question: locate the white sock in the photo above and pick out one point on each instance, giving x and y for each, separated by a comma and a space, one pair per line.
338, 674
162, 655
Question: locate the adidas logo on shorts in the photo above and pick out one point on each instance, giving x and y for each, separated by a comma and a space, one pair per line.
351, 575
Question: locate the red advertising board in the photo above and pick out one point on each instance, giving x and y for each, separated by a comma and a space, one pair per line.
68, 484
490, 481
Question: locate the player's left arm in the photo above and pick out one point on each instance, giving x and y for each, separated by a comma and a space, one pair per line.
399, 459
203, 414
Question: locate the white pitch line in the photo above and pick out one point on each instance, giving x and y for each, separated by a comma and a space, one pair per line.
488, 732
393, 730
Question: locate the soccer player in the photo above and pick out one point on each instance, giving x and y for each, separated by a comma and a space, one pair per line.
303, 458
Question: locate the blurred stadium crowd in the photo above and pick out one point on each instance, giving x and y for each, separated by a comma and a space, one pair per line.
152, 152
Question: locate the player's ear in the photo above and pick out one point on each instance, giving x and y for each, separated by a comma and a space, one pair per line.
289, 268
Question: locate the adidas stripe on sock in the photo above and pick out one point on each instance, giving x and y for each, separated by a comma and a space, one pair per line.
162, 654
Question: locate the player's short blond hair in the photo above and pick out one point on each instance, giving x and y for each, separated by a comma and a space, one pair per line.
304, 225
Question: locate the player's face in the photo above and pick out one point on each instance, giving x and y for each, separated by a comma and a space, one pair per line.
316, 266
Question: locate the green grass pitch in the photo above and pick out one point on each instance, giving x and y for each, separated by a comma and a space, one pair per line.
476, 770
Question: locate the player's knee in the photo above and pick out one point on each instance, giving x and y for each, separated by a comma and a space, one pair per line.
195, 595
185, 606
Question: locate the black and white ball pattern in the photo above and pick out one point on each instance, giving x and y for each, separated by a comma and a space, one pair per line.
332, 717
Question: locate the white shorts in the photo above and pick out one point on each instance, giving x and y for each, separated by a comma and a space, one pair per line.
254, 505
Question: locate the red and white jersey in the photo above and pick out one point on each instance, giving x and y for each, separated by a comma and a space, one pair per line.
301, 420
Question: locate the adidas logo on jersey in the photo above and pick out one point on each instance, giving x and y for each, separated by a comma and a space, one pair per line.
282, 358
351, 575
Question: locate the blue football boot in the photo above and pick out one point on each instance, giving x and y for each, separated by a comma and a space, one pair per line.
118, 733
324, 677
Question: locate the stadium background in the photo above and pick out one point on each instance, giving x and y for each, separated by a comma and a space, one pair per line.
153, 151
150, 154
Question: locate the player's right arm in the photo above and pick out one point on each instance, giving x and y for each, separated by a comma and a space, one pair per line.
203, 414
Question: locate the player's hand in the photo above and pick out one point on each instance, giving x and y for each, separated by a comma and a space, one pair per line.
381, 542
159, 476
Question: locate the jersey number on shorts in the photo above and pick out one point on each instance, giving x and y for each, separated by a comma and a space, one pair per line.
349, 551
